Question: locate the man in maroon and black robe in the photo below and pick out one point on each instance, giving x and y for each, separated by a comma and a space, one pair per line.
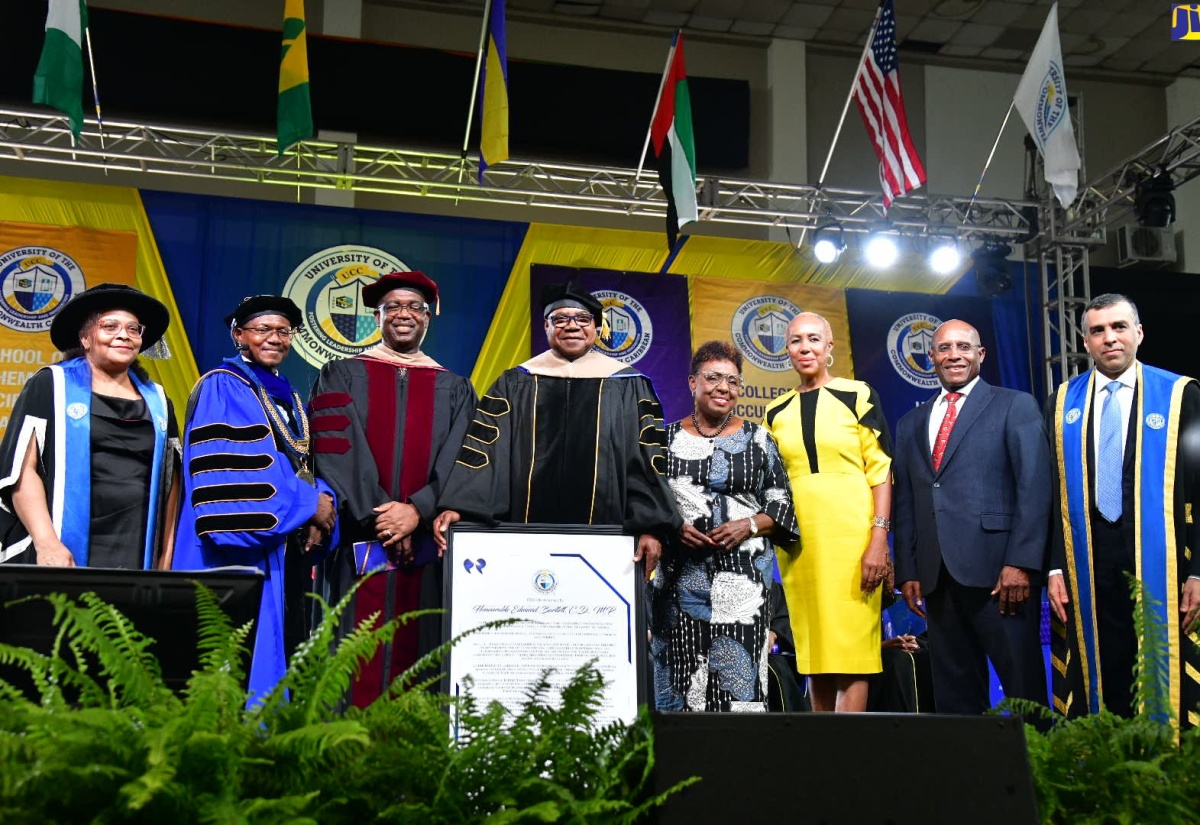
386, 427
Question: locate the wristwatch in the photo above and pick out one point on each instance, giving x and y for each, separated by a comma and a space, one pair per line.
880, 521
753, 526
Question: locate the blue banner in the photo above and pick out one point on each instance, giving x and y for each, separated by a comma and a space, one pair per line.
216, 251
648, 316
891, 333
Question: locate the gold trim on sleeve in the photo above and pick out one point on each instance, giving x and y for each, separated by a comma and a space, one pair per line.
532, 451
465, 448
596, 463
478, 423
1068, 539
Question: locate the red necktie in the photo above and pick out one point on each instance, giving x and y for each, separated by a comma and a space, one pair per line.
943, 436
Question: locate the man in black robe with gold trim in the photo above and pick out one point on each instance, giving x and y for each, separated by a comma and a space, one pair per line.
571, 436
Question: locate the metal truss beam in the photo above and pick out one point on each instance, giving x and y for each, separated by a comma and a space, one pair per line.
1109, 199
1063, 247
1066, 289
43, 137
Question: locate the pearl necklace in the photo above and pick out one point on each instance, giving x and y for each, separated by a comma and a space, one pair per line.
721, 429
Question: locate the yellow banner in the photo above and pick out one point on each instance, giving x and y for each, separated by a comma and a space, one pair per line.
754, 316
40, 268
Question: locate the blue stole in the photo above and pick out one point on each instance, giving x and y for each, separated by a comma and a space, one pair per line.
73, 456
1159, 398
277, 386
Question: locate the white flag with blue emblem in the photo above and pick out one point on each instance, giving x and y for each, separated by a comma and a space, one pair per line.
1041, 100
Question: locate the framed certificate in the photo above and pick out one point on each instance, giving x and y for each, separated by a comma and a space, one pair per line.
578, 595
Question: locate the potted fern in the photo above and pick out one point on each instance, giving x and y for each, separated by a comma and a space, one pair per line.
105, 740
1105, 769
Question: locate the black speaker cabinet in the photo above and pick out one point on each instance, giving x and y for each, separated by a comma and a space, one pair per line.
160, 603
843, 769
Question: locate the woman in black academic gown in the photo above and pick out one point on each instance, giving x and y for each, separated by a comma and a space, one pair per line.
88, 462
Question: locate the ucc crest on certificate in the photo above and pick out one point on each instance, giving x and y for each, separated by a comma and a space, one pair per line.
578, 595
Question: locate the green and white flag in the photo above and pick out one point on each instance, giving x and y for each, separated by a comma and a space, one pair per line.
58, 81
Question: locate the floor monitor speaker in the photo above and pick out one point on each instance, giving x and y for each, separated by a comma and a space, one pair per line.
843, 769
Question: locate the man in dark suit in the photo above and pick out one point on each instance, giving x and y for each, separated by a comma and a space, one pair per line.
971, 512
1126, 441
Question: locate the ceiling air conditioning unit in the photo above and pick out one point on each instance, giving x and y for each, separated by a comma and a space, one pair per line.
1144, 244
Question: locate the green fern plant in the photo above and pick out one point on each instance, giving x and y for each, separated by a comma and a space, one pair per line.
1151, 667
1106, 769
104, 740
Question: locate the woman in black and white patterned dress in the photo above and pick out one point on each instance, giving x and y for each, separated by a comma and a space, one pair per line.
709, 600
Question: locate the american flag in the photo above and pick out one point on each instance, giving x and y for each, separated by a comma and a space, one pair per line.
877, 93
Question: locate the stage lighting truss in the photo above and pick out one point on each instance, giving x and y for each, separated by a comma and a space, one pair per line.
829, 242
1065, 237
1111, 198
42, 136
1059, 240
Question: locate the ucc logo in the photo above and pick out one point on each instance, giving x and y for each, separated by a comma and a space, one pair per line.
1185, 21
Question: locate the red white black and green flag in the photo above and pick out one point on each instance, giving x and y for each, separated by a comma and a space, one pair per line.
671, 132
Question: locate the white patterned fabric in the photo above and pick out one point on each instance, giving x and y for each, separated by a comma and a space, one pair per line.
709, 617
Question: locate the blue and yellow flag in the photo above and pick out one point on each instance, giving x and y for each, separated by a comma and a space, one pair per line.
1185, 21
294, 117
493, 87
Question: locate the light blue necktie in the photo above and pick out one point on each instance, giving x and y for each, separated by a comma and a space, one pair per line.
1109, 456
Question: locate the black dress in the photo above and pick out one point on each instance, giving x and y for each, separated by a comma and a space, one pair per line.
122, 454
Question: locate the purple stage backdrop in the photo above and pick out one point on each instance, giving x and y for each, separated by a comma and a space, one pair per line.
648, 315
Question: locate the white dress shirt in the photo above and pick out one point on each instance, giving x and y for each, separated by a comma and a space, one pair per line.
939, 410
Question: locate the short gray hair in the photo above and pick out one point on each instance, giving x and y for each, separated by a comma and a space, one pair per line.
1108, 299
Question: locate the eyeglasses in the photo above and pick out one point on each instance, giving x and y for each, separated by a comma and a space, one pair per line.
564, 321
395, 308
961, 346
267, 332
714, 379
113, 327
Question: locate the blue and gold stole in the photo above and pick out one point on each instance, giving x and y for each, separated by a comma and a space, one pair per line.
72, 453
1159, 398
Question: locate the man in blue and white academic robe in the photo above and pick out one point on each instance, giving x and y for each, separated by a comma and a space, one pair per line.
1126, 460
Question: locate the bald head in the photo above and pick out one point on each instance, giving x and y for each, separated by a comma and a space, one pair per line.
956, 326
956, 354
805, 319
809, 346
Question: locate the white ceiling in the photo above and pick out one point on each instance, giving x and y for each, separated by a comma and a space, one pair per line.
1116, 35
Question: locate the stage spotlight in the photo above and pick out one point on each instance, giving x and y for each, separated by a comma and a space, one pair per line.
881, 251
945, 257
991, 269
1154, 204
829, 243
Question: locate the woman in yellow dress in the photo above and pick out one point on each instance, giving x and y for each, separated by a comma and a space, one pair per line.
835, 444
